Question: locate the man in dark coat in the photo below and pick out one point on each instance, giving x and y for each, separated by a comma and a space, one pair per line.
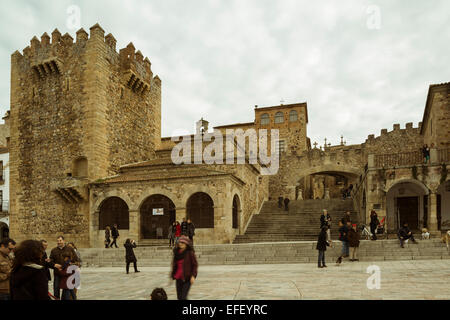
129, 255
184, 228
404, 234
346, 218
343, 237
322, 244
280, 202
353, 237
115, 235
56, 257
46, 262
286, 204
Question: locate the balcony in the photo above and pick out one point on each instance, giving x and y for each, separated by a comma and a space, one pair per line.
73, 190
411, 158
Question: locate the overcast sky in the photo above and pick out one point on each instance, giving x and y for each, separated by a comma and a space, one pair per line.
360, 65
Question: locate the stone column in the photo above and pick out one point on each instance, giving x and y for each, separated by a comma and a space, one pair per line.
434, 156
300, 194
432, 212
135, 225
371, 160
327, 194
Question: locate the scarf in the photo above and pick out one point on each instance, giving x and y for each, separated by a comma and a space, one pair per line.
180, 255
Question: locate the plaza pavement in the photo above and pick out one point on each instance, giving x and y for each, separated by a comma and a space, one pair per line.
421, 279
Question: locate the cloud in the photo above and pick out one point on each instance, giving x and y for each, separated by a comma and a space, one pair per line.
217, 59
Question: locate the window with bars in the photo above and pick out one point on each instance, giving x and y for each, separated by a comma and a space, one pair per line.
281, 146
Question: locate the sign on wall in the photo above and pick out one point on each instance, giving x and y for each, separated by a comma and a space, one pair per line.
158, 211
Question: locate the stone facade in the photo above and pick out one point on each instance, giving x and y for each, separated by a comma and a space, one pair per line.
85, 127
75, 103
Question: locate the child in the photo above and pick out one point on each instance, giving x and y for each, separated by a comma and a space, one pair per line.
322, 244
67, 293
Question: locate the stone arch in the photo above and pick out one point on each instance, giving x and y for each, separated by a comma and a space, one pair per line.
157, 190
443, 206
328, 168
157, 212
114, 210
390, 185
4, 229
200, 209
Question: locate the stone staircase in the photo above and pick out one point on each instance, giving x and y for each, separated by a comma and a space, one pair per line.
268, 253
301, 222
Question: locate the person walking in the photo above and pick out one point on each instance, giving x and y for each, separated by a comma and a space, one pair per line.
171, 234
286, 204
353, 242
374, 222
343, 237
184, 228
322, 244
346, 218
129, 256
107, 236
191, 230
184, 267
6, 263
56, 257
115, 235
28, 277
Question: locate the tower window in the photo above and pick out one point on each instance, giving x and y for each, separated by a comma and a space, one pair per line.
279, 117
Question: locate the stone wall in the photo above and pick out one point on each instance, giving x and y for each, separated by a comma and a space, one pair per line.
72, 100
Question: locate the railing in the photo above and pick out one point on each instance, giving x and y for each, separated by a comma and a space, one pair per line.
398, 159
444, 155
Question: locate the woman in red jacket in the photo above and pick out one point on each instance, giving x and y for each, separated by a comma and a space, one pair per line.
184, 267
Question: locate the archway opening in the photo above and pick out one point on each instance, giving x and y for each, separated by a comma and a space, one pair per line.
406, 202
200, 209
326, 184
4, 231
157, 214
114, 210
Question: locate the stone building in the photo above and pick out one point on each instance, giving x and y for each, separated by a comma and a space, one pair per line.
4, 177
86, 151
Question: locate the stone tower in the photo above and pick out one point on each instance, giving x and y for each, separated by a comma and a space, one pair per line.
79, 110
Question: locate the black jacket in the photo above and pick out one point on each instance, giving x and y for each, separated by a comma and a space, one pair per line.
322, 242
129, 255
324, 220
374, 220
190, 230
114, 232
403, 232
343, 232
29, 283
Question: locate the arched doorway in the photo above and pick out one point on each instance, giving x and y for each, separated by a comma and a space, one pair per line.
406, 201
157, 214
443, 206
324, 184
114, 210
200, 209
236, 210
4, 231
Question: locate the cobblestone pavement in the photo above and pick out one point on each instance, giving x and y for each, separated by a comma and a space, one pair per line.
399, 280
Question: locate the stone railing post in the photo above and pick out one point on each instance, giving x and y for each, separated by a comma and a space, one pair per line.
434, 156
371, 161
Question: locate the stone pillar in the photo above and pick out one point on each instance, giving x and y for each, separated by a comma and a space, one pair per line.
327, 194
432, 212
135, 225
300, 194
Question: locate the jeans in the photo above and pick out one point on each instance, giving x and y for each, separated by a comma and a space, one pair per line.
114, 243
321, 258
183, 289
353, 253
5, 297
171, 241
134, 264
345, 250
56, 281
66, 294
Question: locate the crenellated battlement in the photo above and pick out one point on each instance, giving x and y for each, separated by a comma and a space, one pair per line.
48, 55
409, 129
